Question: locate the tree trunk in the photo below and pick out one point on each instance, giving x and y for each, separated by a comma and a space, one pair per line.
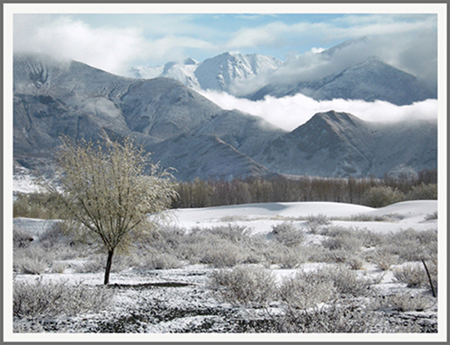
108, 266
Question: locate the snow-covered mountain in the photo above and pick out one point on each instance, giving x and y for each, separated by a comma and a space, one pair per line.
340, 144
255, 76
219, 73
369, 81
223, 71
54, 98
186, 131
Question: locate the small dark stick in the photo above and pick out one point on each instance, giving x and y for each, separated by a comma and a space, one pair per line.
429, 278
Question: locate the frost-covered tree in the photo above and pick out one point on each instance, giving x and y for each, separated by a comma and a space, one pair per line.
111, 187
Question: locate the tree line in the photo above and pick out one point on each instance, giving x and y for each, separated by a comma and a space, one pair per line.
207, 193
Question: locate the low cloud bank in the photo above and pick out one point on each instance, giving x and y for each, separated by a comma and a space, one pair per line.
292, 111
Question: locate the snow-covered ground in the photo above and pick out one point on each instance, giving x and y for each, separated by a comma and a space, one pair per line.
261, 217
183, 297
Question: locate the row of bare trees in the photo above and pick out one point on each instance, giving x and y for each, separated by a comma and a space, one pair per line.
201, 193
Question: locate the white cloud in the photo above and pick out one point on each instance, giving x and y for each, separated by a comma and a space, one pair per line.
107, 48
290, 112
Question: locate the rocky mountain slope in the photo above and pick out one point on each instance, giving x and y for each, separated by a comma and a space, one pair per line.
369, 81
363, 79
188, 132
54, 98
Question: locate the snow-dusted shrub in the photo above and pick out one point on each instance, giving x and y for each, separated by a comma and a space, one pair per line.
316, 222
412, 245
344, 241
336, 317
245, 285
381, 196
431, 216
31, 260
346, 281
422, 192
384, 260
320, 219
404, 301
158, 261
233, 233
355, 262
306, 289
21, 237
287, 234
39, 300
58, 267
414, 275
95, 264
222, 253
285, 257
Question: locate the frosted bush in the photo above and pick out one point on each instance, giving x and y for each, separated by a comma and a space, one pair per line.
316, 222
384, 260
156, 261
21, 237
346, 281
31, 260
285, 257
38, 299
245, 285
412, 275
306, 289
286, 234
404, 301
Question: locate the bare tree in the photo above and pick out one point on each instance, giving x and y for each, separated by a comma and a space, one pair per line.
111, 188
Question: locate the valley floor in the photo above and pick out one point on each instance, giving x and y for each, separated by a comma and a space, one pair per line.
185, 300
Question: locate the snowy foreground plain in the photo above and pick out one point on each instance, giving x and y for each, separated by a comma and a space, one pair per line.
183, 300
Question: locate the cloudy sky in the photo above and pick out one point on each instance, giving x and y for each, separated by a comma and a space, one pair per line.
115, 42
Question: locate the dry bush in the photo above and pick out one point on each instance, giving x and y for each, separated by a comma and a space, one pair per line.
405, 301
39, 300
317, 222
412, 245
31, 260
431, 216
158, 261
286, 234
95, 264
245, 286
285, 257
222, 253
412, 275
21, 237
346, 281
345, 241
306, 289
384, 260
355, 263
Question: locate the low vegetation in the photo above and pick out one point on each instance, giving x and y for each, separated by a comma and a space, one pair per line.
334, 296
